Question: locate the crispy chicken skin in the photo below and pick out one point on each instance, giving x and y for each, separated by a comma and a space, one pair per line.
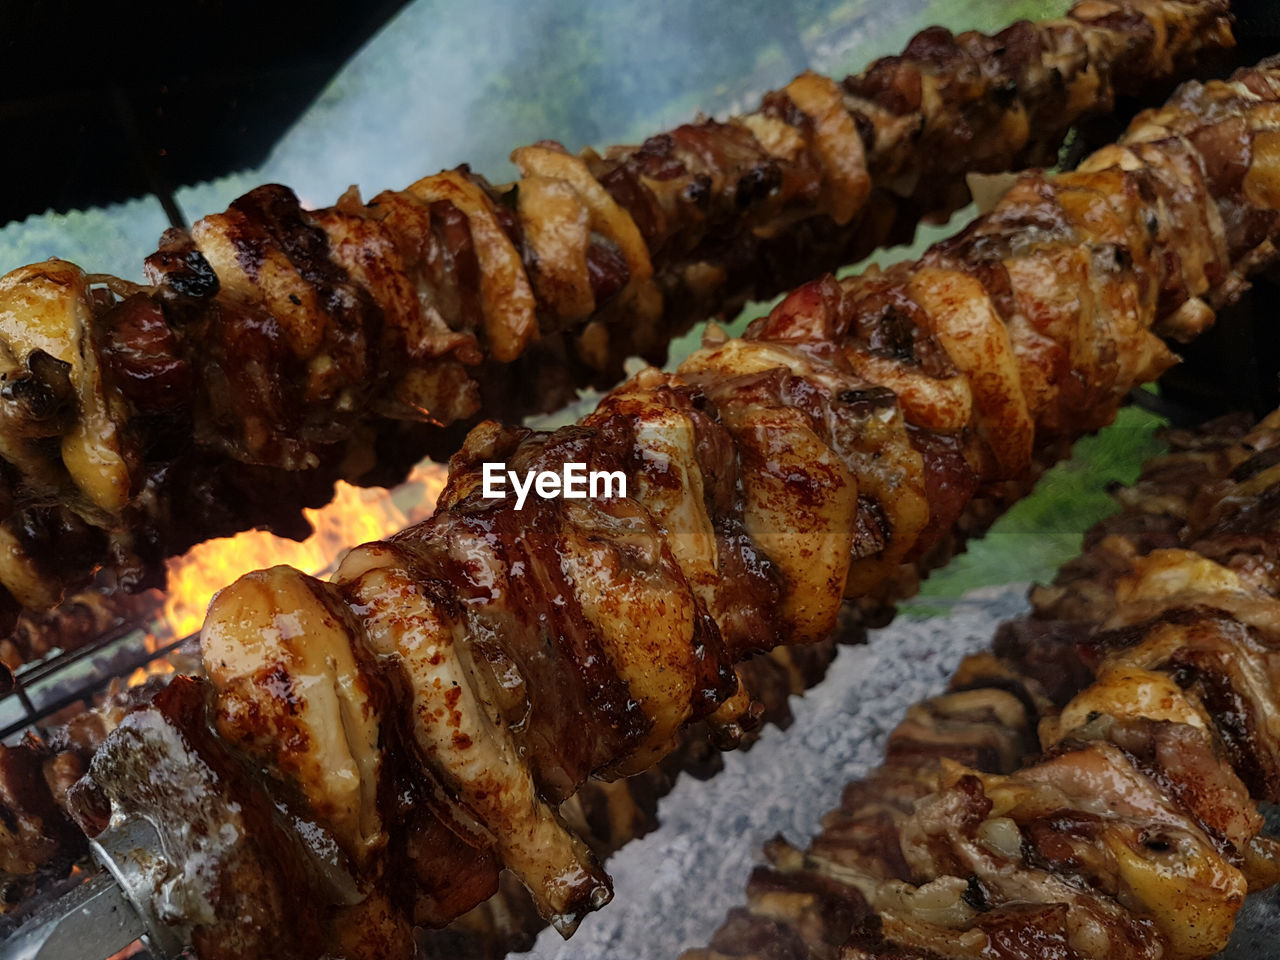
1090, 787
279, 631
573, 638
472, 749
277, 349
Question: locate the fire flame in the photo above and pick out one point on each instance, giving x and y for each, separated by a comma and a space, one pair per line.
156, 666
132, 950
356, 515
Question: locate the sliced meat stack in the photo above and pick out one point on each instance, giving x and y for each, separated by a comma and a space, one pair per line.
1090, 788
279, 349
423, 717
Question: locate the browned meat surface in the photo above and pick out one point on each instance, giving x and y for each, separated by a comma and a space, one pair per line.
39, 842
1090, 787
610, 814
475, 669
278, 349
79, 620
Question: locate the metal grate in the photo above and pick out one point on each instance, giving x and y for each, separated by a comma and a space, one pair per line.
47, 687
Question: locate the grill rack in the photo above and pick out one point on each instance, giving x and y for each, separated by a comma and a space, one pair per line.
32, 692
46, 687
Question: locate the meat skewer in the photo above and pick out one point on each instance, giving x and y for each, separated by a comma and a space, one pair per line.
40, 843
611, 814
393, 738
279, 349
1147, 675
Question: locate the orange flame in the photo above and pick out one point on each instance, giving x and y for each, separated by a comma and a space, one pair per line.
356, 515
152, 668
132, 950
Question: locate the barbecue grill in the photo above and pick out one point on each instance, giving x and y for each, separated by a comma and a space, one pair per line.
1235, 369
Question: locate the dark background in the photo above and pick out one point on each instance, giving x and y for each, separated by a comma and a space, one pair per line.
106, 101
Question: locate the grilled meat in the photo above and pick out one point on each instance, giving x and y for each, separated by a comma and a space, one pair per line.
448, 691
279, 349
77, 621
39, 842
44, 843
1149, 671
610, 814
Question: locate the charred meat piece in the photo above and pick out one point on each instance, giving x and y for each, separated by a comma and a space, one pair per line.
1090, 787
511, 655
279, 349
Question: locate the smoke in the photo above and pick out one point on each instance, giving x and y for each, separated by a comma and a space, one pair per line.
465, 81
450, 83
